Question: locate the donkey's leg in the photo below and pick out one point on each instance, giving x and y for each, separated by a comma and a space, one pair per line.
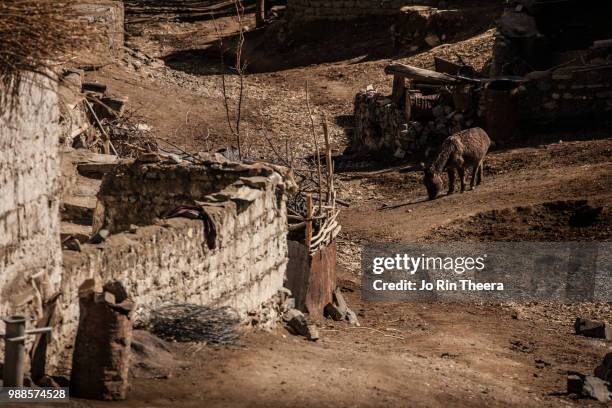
474, 176
480, 171
451, 181
462, 178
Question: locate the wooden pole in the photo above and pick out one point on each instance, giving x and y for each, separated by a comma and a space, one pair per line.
260, 14
318, 152
107, 144
308, 238
399, 90
330, 165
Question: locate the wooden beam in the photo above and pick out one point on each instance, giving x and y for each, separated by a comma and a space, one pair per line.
420, 75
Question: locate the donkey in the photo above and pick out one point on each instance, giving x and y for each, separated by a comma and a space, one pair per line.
466, 148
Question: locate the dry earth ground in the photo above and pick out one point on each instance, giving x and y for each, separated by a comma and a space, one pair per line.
404, 355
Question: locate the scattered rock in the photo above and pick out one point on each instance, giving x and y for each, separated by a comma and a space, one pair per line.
588, 386
72, 244
518, 345
298, 324
297, 321
604, 371
100, 236
591, 328
332, 312
61, 380
149, 158
338, 308
351, 317
540, 364
313, 333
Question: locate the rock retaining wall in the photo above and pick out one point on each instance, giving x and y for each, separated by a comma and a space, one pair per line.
238, 259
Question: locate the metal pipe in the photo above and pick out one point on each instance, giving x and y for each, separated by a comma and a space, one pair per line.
14, 351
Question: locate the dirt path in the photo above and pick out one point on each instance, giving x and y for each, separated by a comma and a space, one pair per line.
416, 355
404, 355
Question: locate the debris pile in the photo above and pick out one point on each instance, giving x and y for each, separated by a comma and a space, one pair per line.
130, 137
184, 322
94, 119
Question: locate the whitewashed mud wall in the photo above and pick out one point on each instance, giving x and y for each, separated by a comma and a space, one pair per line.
30, 250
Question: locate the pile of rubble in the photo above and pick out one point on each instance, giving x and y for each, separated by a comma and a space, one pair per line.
421, 27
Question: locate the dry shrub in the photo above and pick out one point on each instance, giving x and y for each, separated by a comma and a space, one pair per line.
35, 37
130, 136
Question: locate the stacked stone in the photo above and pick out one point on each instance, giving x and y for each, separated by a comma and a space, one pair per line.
381, 128
420, 27
569, 93
170, 260
377, 123
342, 10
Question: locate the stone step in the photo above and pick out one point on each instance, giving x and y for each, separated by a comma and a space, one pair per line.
78, 209
80, 232
86, 186
90, 164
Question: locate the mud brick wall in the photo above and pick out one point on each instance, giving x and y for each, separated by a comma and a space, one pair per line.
171, 261
106, 17
339, 10
30, 254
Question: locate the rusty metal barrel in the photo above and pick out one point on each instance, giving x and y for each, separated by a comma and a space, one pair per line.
501, 110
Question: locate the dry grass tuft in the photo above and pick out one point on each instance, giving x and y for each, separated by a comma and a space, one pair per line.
36, 36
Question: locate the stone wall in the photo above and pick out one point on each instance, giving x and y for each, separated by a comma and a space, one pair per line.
30, 254
240, 261
106, 18
421, 27
342, 10
385, 130
568, 94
